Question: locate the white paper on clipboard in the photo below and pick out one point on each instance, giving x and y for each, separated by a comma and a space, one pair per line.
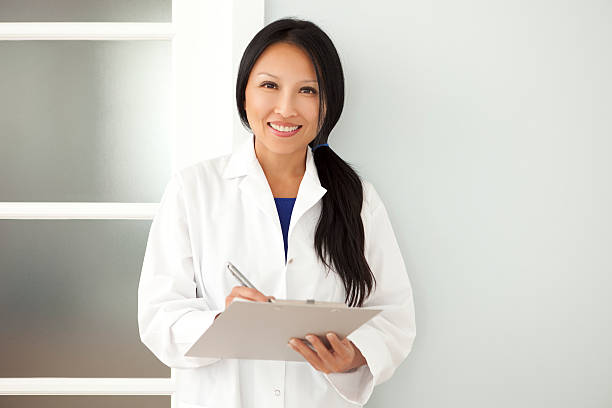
261, 330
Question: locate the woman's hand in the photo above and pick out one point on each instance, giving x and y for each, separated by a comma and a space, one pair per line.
343, 356
245, 293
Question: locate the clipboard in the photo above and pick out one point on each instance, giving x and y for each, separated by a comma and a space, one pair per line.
261, 330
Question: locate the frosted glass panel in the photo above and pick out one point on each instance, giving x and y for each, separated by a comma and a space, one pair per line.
84, 401
86, 10
85, 120
68, 296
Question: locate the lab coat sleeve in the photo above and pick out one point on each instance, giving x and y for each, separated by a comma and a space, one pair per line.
387, 339
170, 316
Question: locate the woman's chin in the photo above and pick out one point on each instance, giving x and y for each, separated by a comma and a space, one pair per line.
282, 146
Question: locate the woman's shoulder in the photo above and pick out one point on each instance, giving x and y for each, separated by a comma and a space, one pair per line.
371, 199
208, 172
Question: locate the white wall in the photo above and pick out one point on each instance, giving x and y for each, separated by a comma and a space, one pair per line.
485, 126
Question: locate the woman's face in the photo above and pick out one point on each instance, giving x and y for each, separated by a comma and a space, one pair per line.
282, 89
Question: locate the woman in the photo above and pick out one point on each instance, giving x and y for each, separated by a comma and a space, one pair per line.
299, 222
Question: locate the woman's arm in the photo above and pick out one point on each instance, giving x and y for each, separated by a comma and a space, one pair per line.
387, 339
170, 316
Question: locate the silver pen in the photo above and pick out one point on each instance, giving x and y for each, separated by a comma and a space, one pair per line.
241, 278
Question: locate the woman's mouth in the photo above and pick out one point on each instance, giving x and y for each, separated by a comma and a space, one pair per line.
284, 131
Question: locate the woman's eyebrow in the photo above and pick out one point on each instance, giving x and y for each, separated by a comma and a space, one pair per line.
274, 76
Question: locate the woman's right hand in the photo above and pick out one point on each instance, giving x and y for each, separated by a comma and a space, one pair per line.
245, 293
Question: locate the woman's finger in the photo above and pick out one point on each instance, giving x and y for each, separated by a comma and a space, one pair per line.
246, 293
341, 349
326, 356
249, 293
308, 354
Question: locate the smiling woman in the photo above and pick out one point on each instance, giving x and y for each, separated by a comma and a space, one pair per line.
291, 73
303, 224
282, 110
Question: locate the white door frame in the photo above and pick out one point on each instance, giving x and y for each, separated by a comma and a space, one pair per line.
208, 38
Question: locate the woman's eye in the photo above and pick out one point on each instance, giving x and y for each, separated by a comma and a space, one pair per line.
310, 90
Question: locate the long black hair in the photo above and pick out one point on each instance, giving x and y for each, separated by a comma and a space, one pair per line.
339, 237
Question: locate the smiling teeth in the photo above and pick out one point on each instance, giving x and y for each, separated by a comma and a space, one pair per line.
283, 128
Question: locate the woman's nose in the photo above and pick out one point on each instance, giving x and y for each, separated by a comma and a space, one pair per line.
285, 105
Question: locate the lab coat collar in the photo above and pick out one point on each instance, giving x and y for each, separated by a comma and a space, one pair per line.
243, 163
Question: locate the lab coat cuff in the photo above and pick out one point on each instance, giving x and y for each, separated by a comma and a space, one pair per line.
356, 386
373, 348
189, 328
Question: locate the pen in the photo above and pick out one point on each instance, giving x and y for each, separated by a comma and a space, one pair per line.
241, 278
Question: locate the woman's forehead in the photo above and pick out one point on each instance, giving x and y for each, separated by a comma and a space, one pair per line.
284, 61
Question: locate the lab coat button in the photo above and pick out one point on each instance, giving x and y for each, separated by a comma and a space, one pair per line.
277, 392
290, 260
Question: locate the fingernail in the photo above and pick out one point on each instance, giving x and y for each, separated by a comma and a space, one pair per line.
310, 338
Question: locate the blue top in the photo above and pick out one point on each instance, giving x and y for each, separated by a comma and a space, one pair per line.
284, 206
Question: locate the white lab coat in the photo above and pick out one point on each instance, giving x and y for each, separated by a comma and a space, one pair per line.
223, 210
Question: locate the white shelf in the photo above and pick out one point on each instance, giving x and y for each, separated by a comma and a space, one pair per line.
86, 31
86, 386
77, 211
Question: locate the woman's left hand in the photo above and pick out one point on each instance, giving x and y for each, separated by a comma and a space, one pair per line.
343, 356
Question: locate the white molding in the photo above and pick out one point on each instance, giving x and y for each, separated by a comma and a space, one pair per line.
77, 211
248, 18
87, 386
203, 84
86, 31
208, 39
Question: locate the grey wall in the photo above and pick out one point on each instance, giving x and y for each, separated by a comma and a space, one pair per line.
485, 126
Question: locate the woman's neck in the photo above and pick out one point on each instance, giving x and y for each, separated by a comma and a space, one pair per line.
281, 166
284, 172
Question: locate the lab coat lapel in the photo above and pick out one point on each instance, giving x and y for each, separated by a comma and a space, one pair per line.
243, 162
254, 184
309, 193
